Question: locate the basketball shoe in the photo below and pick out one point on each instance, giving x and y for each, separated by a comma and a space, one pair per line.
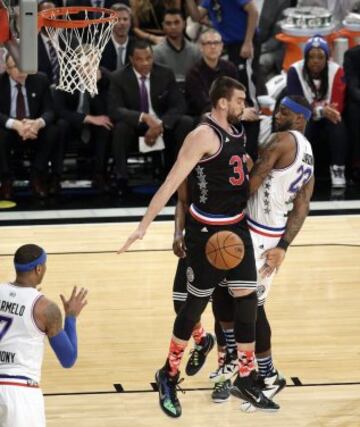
248, 389
227, 370
168, 387
221, 392
198, 355
271, 386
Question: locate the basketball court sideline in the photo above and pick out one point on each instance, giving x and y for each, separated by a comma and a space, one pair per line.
124, 331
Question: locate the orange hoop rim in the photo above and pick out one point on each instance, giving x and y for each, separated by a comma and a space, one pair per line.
49, 17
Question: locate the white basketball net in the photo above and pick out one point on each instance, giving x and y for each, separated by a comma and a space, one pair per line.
79, 52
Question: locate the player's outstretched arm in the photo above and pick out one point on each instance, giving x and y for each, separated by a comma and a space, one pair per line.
62, 340
197, 144
301, 206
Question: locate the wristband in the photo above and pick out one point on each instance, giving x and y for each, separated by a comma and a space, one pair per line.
283, 244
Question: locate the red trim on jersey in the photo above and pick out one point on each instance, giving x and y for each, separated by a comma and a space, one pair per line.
263, 233
338, 90
19, 384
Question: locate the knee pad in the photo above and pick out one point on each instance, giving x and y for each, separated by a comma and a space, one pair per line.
188, 316
245, 318
263, 332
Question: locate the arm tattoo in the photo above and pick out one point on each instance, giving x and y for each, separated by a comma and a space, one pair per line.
53, 319
299, 212
265, 162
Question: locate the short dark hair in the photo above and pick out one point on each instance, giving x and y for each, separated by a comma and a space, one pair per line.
223, 87
300, 100
173, 11
27, 253
139, 44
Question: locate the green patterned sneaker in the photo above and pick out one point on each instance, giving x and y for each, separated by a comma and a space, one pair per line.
168, 387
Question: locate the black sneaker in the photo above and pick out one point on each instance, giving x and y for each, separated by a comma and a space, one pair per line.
198, 355
221, 392
167, 387
272, 385
248, 389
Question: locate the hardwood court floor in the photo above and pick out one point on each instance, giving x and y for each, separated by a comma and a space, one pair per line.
124, 331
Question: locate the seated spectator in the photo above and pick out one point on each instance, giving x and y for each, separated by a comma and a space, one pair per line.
236, 21
48, 62
145, 101
321, 82
175, 52
209, 68
352, 77
148, 16
200, 78
26, 117
116, 52
88, 123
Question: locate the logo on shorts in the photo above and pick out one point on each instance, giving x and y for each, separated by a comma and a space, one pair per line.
260, 290
190, 274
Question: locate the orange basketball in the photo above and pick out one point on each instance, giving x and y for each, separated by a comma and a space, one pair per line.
224, 250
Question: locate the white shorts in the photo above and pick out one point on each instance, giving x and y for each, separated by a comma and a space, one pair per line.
261, 244
21, 406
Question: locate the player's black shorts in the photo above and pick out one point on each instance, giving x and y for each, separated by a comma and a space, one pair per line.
201, 276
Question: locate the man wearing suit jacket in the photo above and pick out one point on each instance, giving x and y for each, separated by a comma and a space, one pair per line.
47, 58
352, 78
26, 117
145, 101
87, 120
116, 52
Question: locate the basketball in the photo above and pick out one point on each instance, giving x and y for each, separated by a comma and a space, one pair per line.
224, 250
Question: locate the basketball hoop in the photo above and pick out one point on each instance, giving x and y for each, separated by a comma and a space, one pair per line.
79, 36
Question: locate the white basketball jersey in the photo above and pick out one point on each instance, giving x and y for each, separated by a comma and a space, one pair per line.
21, 341
267, 209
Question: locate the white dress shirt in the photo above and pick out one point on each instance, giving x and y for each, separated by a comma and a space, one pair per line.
13, 96
147, 85
118, 46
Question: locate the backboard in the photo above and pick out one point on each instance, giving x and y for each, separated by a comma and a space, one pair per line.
19, 32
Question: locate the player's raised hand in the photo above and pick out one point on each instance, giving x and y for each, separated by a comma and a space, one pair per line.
75, 303
136, 235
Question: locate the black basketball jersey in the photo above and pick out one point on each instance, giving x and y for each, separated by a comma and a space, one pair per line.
219, 184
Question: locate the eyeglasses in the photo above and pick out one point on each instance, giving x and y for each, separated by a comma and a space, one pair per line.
213, 43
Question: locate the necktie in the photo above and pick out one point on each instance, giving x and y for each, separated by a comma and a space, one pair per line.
144, 96
120, 61
54, 62
20, 103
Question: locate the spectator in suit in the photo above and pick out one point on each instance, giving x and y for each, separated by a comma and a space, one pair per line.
145, 101
26, 117
47, 57
116, 52
321, 81
352, 77
88, 122
175, 52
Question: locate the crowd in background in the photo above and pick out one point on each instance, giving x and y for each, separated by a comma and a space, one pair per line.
153, 83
